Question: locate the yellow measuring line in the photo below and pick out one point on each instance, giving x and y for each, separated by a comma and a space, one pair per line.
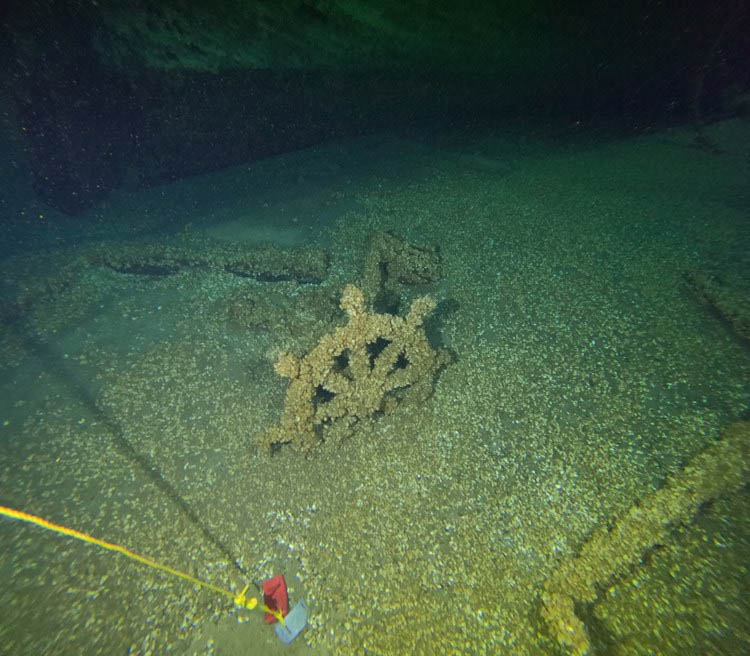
241, 599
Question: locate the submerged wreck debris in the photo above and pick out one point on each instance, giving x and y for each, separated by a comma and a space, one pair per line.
728, 294
391, 261
303, 264
722, 468
292, 316
369, 365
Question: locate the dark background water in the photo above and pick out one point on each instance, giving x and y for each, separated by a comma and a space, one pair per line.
99, 96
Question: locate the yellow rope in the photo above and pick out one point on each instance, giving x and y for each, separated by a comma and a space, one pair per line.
240, 599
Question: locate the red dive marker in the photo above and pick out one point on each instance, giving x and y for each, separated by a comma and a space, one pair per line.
275, 597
